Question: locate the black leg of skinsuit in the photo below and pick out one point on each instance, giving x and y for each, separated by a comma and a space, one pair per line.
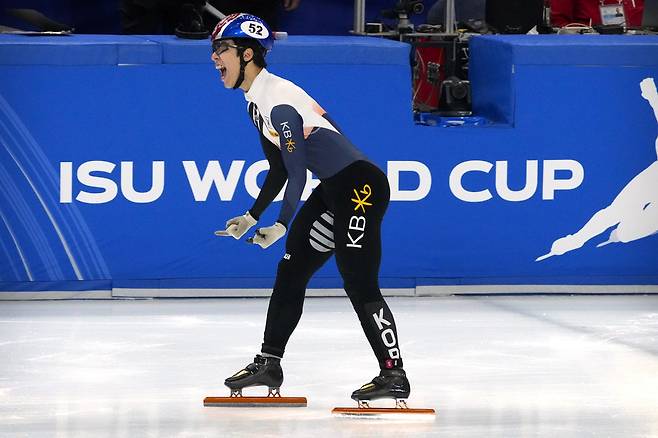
355, 220
295, 270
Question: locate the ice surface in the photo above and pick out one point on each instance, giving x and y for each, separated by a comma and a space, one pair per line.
549, 366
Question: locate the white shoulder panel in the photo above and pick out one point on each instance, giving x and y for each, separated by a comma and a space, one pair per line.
284, 92
276, 91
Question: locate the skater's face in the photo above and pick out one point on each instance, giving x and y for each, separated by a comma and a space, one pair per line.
227, 62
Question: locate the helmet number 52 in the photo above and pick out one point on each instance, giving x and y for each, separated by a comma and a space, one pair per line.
256, 28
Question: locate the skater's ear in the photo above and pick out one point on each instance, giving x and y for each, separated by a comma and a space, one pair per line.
248, 54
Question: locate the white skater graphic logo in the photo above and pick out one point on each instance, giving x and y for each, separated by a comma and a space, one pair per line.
635, 209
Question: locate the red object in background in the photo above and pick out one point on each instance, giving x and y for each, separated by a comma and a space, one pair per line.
429, 72
565, 12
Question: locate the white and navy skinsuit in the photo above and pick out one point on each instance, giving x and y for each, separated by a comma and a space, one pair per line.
342, 216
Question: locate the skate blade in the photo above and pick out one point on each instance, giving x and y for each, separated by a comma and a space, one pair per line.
251, 402
385, 413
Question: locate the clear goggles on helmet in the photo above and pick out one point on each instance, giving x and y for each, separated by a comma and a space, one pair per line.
221, 46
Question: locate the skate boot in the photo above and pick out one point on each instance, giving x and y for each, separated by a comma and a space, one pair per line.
264, 371
389, 384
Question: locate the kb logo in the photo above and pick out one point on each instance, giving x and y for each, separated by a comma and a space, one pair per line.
358, 223
287, 134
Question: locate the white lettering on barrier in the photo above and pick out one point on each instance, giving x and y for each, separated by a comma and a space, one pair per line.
201, 183
85, 177
157, 183
393, 170
455, 181
502, 187
550, 182
213, 176
87, 172
250, 178
65, 182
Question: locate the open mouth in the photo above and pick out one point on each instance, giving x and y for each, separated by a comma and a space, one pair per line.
222, 71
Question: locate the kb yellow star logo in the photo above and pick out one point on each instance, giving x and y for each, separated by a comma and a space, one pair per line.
290, 145
360, 202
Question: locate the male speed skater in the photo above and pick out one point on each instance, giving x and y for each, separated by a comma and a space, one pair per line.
342, 216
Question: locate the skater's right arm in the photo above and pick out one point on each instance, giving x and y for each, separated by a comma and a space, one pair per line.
274, 181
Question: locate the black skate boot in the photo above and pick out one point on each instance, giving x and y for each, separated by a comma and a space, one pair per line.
389, 384
264, 371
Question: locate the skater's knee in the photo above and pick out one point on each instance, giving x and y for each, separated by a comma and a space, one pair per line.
362, 290
289, 286
292, 273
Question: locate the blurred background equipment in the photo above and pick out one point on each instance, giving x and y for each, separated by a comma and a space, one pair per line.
391, 20
514, 16
465, 10
455, 97
401, 12
440, 75
39, 20
650, 15
190, 21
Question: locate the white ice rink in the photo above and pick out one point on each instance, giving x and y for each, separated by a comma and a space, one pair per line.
549, 366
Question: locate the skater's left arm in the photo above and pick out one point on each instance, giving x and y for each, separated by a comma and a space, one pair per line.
289, 125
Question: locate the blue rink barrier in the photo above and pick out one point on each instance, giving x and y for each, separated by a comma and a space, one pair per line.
122, 155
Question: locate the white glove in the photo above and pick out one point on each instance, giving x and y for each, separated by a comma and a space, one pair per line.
237, 226
268, 235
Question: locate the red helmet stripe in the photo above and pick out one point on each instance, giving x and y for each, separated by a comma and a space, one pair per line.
220, 26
